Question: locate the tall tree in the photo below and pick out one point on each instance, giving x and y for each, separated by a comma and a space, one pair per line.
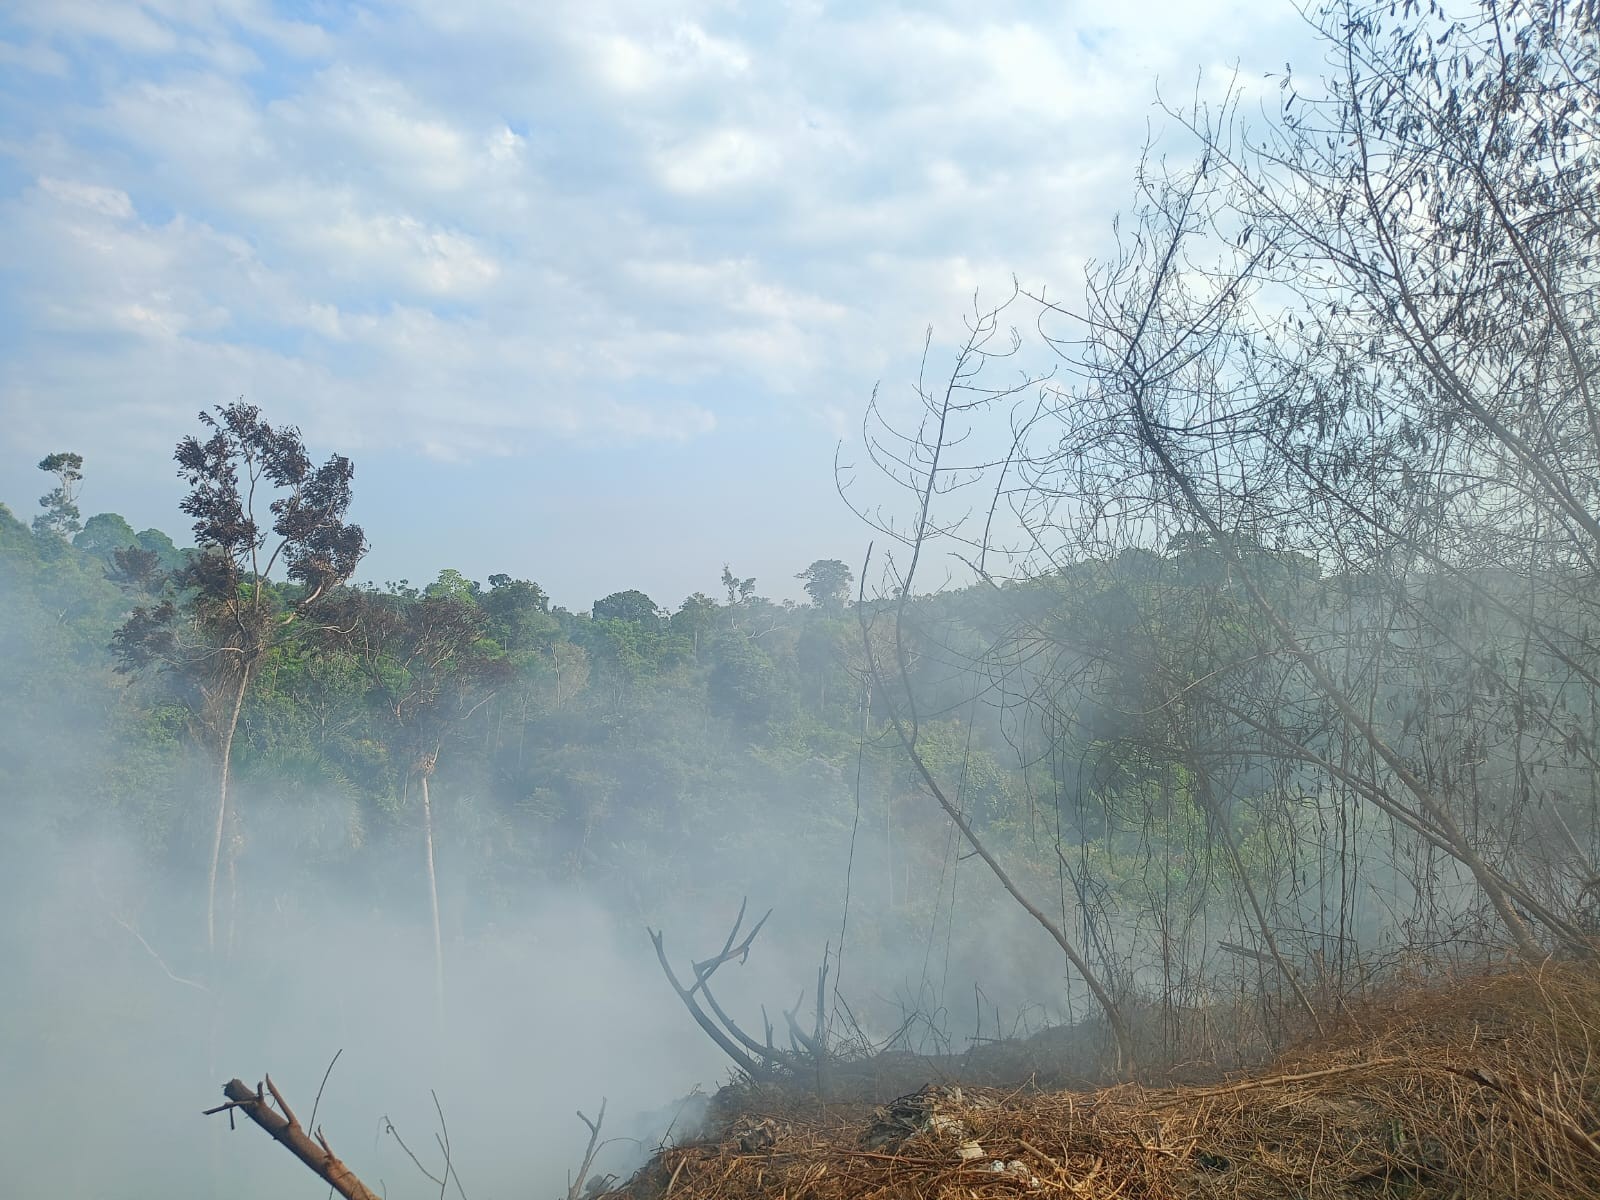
60, 516
827, 582
218, 615
739, 590
428, 671
519, 614
631, 605
695, 619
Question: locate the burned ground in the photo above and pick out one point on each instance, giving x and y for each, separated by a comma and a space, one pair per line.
1480, 1086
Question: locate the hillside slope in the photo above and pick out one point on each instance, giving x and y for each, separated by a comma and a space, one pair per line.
1476, 1087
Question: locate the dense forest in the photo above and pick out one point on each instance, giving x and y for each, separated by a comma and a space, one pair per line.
388, 737
445, 751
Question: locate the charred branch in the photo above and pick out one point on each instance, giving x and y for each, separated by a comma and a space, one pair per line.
757, 1059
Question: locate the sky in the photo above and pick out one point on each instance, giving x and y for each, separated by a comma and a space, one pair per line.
590, 292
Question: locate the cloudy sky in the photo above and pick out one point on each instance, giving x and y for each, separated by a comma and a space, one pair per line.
588, 291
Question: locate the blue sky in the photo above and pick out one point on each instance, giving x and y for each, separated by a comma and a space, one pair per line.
588, 291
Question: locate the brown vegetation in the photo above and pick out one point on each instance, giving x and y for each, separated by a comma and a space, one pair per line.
1481, 1086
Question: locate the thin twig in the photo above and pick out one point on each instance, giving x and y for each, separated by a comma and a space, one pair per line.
388, 1127
318, 1101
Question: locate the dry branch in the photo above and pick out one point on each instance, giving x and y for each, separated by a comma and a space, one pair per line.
576, 1189
756, 1059
284, 1128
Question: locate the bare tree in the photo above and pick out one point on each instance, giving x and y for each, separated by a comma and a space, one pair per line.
922, 456
1298, 544
1364, 337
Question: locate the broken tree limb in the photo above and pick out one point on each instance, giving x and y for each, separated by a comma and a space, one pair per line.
756, 1059
575, 1191
767, 1052
711, 1028
284, 1128
729, 952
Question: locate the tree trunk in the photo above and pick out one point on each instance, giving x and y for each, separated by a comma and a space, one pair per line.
223, 778
433, 901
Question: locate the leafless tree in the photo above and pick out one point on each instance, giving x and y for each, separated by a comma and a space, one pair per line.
1301, 534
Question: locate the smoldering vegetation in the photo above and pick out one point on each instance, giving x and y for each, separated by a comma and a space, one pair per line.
1269, 686
570, 814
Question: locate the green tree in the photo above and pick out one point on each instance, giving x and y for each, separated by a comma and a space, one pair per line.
168, 556
739, 590
104, 534
823, 654
219, 617
60, 516
828, 584
454, 584
695, 619
745, 684
15, 542
519, 614
631, 605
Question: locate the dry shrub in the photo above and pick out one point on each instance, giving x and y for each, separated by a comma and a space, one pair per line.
1477, 1087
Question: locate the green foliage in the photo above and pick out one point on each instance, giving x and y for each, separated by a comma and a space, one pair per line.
452, 584
695, 619
167, 555
828, 584
745, 685
519, 614
16, 544
631, 605
104, 534
59, 520
739, 590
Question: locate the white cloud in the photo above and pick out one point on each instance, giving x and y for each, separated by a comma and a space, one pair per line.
203, 28
402, 249
107, 202
200, 130
456, 223
128, 26
682, 54
373, 122
719, 159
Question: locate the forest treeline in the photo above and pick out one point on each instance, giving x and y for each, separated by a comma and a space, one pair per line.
439, 753
392, 736
732, 744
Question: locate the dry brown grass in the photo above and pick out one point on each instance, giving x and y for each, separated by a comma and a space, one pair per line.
1483, 1086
